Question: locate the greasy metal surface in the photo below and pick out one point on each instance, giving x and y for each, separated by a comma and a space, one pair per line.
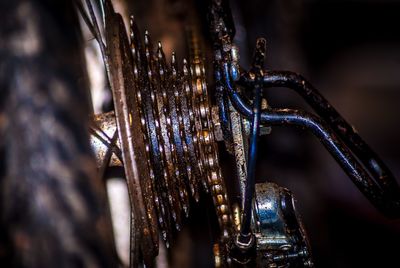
208, 147
349, 150
172, 107
178, 132
270, 223
178, 124
344, 157
381, 174
53, 205
221, 23
170, 159
141, 90
385, 200
191, 138
232, 125
173, 154
258, 64
144, 234
222, 100
149, 119
162, 132
281, 239
173, 96
240, 148
104, 141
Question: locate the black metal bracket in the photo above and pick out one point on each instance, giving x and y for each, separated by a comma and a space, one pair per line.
356, 158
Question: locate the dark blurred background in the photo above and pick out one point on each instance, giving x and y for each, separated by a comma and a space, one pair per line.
350, 51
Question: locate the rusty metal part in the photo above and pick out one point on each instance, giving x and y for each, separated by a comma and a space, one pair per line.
167, 140
144, 234
172, 92
190, 133
138, 59
179, 132
208, 146
240, 147
165, 133
146, 88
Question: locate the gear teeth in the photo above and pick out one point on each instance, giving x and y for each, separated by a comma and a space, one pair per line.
174, 65
146, 38
208, 146
176, 124
162, 105
194, 171
161, 61
145, 93
176, 119
131, 24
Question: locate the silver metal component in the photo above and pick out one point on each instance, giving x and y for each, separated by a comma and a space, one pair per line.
104, 144
240, 148
240, 133
264, 130
270, 223
217, 125
235, 70
281, 238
